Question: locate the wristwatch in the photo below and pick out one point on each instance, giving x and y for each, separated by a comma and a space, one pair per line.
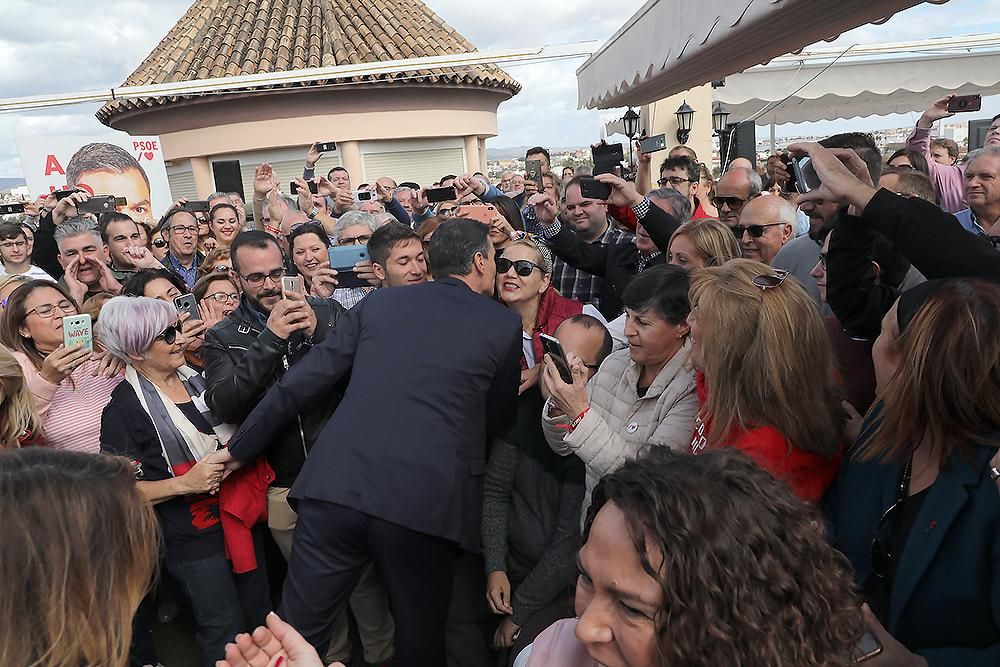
313, 213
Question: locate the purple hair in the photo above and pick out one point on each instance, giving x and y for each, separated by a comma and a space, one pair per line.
129, 324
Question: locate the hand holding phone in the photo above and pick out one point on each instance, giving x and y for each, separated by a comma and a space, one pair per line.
77, 331
438, 195
804, 175
293, 187
291, 284
554, 349
963, 103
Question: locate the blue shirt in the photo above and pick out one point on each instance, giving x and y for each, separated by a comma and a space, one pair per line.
189, 276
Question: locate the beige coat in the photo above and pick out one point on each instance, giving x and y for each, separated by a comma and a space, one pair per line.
620, 425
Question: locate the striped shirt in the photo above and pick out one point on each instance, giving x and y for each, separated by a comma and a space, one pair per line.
70, 411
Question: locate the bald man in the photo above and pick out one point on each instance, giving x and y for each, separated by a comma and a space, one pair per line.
766, 225
740, 163
733, 191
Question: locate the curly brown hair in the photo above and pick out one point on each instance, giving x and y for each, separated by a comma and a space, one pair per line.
747, 576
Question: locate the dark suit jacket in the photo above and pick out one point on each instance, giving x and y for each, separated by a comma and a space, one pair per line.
435, 373
945, 602
615, 263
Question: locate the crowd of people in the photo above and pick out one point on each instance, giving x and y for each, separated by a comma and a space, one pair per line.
691, 422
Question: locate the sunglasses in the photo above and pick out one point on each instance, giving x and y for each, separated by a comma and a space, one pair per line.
522, 267
733, 203
169, 335
673, 180
770, 281
882, 548
755, 231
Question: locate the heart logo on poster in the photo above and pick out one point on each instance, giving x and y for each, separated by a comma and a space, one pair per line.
148, 156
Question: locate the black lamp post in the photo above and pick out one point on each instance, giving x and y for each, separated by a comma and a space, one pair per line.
720, 123
630, 121
685, 120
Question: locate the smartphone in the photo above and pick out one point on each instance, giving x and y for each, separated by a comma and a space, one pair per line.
8, 209
291, 284
554, 349
961, 103
607, 158
790, 184
200, 206
62, 194
591, 188
186, 303
363, 195
435, 195
77, 330
533, 172
313, 188
101, 204
484, 213
325, 146
868, 647
653, 144
343, 259
806, 178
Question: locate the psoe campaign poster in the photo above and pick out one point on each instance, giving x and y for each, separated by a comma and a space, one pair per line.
112, 164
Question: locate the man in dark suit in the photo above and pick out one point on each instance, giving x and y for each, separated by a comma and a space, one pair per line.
396, 476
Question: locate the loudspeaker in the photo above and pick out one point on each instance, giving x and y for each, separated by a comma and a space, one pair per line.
228, 177
742, 143
977, 132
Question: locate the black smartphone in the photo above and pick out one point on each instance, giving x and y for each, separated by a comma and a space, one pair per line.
62, 194
653, 144
100, 204
806, 178
591, 188
325, 146
313, 188
962, 103
868, 647
435, 195
533, 172
186, 303
199, 206
554, 349
790, 184
8, 209
607, 158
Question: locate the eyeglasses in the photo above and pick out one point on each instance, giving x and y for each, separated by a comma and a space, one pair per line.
734, 203
755, 231
169, 335
159, 243
447, 212
770, 281
905, 167
354, 240
183, 230
223, 297
257, 279
522, 267
47, 309
673, 180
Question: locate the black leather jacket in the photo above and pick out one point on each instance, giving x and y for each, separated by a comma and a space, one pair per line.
243, 359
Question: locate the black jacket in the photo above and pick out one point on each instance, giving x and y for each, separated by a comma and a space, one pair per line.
243, 359
434, 375
616, 263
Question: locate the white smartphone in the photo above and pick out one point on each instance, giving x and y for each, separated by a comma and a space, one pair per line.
291, 284
77, 330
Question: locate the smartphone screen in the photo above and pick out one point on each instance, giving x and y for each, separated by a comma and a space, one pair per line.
963, 103
326, 146
533, 172
435, 195
77, 331
806, 178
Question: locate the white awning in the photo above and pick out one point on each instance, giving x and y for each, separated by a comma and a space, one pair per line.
669, 46
819, 86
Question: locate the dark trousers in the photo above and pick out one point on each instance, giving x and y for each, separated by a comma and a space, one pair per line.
471, 624
333, 546
224, 604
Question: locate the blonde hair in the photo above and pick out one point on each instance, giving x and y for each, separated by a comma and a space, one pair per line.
714, 240
17, 414
77, 556
544, 254
766, 358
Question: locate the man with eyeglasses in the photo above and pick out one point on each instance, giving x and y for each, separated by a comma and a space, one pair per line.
682, 174
766, 225
16, 255
736, 187
180, 228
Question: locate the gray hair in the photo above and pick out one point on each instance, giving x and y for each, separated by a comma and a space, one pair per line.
680, 204
218, 195
985, 151
352, 218
129, 324
75, 227
384, 219
787, 213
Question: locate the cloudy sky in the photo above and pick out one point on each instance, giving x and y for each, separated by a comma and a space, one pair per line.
57, 55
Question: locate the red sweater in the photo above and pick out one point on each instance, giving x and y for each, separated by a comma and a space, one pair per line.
552, 310
242, 505
807, 473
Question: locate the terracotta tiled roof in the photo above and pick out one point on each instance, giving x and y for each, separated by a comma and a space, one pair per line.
218, 38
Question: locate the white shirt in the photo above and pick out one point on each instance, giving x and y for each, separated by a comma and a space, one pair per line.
33, 273
528, 348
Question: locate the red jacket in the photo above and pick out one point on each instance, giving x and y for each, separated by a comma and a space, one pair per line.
807, 473
243, 504
552, 310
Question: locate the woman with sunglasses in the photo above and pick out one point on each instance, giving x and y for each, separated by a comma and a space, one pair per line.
766, 379
158, 418
70, 386
641, 397
158, 245
165, 285
914, 507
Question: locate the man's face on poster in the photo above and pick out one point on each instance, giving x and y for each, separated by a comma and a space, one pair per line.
129, 184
